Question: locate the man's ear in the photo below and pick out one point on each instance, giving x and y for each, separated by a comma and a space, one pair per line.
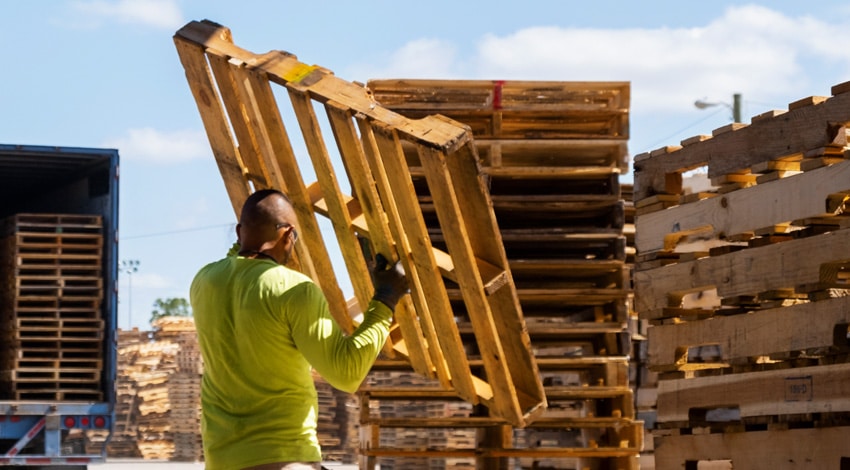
239, 233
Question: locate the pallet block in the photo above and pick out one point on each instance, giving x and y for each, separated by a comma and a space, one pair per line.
232, 88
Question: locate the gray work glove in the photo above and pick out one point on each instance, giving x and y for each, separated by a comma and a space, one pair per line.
389, 281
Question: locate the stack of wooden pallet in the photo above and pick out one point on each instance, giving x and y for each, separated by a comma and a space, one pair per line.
125, 431
51, 319
551, 155
745, 284
338, 424
158, 408
184, 387
158, 400
395, 397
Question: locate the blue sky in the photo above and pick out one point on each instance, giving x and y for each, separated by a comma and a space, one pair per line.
104, 73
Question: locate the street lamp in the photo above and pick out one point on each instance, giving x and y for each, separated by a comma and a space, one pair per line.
735, 106
129, 266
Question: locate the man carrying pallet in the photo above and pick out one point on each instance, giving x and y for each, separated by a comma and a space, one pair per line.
261, 328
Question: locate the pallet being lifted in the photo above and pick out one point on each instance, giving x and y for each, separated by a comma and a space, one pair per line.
233, 91
745, 284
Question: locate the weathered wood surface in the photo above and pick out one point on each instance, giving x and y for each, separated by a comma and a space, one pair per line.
799, 449
779, 332
784, 265
774, 393
746, 210
808, 125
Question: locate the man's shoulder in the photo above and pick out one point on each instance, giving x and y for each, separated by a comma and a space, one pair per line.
289, 277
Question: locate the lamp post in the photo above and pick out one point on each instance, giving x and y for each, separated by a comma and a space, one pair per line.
735, 106
129, 266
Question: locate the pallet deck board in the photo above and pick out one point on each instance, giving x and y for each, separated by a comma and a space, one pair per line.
748, 271
799, 197
815, 126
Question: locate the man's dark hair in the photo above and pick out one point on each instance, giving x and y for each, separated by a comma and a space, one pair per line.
252, 214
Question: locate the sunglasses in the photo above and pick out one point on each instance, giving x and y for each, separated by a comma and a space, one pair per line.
285, 225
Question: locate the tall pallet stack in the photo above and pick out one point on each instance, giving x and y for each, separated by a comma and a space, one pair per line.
51, 319
158, 393
338, 424
184, 387
125, 429
745, 286
412, 423
552, 154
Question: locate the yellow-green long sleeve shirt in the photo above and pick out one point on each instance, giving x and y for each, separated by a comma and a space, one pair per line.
261, 327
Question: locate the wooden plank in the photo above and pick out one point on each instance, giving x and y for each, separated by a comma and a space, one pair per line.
536, 452
779, 266
801, 327
814, 126
803, 390
279, 160
800, 449
469, 226
794, 198
208, 101
284, 68
232, 98
427, 288
337, 209
364, 187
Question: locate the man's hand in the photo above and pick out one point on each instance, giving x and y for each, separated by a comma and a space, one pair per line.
389, 281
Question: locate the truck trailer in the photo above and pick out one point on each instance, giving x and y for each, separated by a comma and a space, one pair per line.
58, 304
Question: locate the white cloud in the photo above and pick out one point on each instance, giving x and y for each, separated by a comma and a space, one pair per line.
153, 146
761, 53
157, 13
432, 58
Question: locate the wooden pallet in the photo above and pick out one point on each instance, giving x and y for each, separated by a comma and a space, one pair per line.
383, 209
746, 277
809, 449
398, 423
556, 195
505, 110
743, 285
820, 132
808, 329
755, 398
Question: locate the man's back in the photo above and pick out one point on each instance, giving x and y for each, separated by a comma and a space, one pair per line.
258, 399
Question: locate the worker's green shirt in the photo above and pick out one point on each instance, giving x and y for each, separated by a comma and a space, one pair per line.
261, 327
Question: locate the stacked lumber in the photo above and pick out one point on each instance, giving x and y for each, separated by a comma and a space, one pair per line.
551, 155
51, 318
745, 285
158, 400
158, 393
338, 424
409, 416
125, 430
